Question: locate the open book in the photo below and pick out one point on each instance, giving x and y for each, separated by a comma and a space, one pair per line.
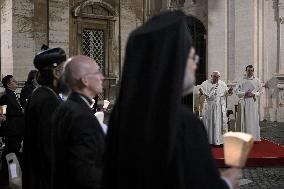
237, 146
248, 86
106, 104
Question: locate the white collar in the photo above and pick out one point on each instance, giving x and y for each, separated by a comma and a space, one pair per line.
249, 78
85, 100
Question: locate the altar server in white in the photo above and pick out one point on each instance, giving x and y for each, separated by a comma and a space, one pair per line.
249, 89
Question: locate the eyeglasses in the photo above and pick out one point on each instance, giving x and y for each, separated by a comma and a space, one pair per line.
195, 58
95, 73
215, 76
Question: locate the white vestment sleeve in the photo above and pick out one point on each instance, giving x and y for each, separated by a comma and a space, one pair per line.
259, 87
239, 90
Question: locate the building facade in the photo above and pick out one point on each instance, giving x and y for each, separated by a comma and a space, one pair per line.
228, 35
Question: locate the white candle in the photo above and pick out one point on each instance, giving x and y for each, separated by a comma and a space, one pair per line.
106, 103
4, 107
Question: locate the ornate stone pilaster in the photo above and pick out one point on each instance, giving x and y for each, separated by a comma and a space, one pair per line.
176, 3
278, 6
278, 100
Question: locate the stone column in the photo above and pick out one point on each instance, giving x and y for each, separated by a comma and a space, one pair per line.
273, 61
245, 36
281, 37
17, 42
6, 38
59, 13
217, 37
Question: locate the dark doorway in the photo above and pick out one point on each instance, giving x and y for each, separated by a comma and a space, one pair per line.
198, 33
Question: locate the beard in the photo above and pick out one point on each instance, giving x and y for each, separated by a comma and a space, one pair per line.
188, 83
62, 87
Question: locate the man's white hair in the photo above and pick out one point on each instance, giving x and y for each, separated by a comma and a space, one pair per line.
216, 73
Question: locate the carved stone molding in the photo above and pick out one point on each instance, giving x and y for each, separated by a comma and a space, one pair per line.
177, 3
276, 10
95, 9
278, 6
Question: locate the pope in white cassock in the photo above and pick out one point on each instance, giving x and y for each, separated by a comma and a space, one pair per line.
249, 89
214, 108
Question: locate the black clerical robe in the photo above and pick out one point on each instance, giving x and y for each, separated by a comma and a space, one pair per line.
79, 145
26, 92
193, 165
37, 140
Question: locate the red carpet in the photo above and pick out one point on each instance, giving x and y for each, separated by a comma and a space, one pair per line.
263, 154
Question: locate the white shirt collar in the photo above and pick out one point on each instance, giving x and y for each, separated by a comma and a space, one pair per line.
85, 100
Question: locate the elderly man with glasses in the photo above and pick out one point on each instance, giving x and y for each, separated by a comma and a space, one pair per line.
214, 108
79, 140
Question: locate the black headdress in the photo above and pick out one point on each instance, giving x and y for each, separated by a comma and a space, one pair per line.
142, 125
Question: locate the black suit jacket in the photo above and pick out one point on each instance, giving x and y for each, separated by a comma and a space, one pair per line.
26, 92
14, 124
79, 144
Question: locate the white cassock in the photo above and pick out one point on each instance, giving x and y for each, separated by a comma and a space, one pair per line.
214, 110
249, 116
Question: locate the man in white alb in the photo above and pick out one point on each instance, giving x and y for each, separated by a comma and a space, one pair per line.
249, 89
214, 108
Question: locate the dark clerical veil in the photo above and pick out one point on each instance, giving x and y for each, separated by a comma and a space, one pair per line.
142, 128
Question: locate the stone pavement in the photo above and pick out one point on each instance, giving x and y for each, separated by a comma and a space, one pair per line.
266, 178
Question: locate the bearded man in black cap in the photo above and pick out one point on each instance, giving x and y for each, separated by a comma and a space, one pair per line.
39, 110
158, 142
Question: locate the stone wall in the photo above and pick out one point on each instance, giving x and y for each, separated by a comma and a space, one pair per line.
40, 24
59, 13
131, 17
23, 38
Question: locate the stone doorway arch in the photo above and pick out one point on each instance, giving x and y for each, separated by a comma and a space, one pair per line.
198, 33
93, 34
